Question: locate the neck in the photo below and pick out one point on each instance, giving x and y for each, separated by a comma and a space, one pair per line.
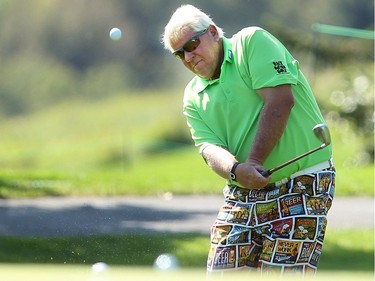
219, 61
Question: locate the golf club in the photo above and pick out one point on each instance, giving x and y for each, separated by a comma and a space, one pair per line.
321, 131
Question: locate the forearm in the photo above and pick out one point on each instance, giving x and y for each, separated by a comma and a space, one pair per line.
218, 159
271, 127
221, 162
272, 123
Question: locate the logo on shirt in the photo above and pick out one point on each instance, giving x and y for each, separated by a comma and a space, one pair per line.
279, 67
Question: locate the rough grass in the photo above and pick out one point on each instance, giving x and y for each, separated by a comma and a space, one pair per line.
344, 250
133, 144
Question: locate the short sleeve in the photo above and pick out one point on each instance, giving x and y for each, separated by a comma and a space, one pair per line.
200, 131
270, 63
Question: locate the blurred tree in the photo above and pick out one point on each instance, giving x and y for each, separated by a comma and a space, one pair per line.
65, 43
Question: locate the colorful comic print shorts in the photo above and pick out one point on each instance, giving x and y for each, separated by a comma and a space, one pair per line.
276, 230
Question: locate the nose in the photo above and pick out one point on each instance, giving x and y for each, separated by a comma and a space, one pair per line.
188, 56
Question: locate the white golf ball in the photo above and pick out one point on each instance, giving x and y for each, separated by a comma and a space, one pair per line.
99, 267
115, 34
166, 262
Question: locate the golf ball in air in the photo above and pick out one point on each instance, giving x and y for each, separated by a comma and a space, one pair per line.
115, 34
166, 262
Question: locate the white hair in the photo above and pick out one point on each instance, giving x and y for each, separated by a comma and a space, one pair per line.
186, 17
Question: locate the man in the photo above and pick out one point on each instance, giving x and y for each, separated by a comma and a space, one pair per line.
249, 109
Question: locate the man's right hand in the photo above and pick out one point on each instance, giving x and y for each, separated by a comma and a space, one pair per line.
249, 176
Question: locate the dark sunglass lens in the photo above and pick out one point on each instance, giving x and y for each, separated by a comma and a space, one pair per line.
191, 45
179, 54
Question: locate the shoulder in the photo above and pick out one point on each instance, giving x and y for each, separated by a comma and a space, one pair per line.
253, 34
248, 32
255, 38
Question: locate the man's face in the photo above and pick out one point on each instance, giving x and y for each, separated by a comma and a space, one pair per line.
202, 61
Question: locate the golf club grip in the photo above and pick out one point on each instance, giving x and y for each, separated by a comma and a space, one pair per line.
266, 174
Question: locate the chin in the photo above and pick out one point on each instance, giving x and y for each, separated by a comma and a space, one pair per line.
204, 76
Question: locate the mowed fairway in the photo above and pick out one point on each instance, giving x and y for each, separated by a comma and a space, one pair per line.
117, 273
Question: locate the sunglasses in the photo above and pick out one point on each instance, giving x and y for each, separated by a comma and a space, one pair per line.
190, 45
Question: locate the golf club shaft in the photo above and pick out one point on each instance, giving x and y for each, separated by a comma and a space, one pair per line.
270, 171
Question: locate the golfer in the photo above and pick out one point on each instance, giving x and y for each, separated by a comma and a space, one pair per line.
249, 109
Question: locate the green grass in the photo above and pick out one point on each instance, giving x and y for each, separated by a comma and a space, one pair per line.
12, 272
344, 250
136, 144
180, 172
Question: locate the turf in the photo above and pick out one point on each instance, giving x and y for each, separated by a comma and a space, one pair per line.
110, 148
11, 272
346, 249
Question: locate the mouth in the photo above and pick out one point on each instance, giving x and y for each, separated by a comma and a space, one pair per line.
196, 64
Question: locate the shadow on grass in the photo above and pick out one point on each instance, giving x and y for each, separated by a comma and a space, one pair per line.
143, 249
129, 249
56, 217
26, 188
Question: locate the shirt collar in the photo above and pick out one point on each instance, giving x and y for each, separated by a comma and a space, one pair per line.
228, 57
228, 54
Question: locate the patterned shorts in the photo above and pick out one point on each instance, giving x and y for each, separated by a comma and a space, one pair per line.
279, 229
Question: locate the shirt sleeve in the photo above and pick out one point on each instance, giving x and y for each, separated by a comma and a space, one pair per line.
201, 133
270, 63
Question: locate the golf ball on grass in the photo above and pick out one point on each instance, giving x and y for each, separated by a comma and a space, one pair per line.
99, 267
166, 262
115, 34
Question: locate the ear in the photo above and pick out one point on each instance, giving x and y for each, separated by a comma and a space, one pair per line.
213, 31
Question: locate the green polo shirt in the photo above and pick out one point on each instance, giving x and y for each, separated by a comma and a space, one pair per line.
226, 111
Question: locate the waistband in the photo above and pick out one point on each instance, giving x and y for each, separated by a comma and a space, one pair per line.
313, 169
316, 168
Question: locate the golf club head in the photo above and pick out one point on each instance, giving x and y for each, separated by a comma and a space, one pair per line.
321, 131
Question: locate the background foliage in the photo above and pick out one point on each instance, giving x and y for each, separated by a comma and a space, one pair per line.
53, 49
79, 112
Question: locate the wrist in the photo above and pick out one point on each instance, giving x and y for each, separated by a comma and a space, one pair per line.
254, 161
232, 173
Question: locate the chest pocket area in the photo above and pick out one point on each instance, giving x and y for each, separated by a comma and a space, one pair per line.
237, 83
